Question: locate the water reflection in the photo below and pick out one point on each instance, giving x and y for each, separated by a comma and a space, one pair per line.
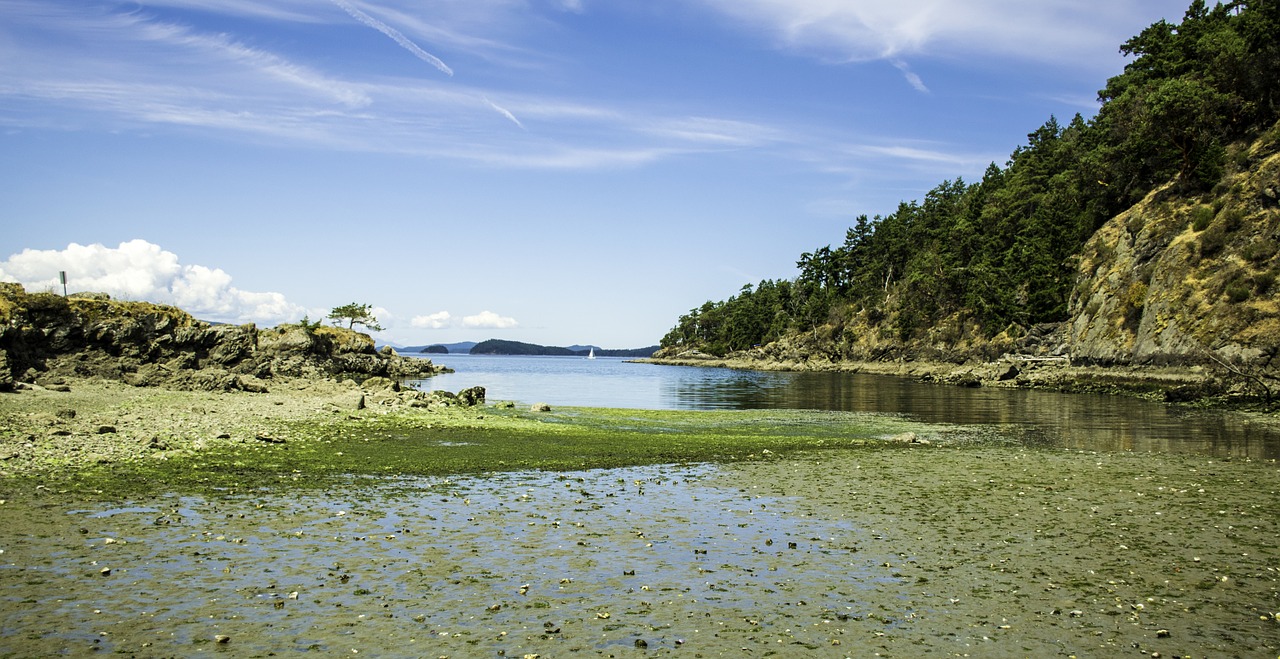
1080, 421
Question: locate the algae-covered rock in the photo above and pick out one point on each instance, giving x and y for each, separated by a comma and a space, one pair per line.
471, 396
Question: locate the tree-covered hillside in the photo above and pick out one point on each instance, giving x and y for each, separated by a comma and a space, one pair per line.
983, 256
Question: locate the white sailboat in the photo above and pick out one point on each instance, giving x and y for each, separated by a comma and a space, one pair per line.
591, 353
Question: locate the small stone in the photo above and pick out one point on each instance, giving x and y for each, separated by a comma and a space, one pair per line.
106, 571
641, 643
222, 638
1163, 633
540, 407
106, 430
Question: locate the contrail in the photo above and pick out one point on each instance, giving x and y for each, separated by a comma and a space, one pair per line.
504, 112
395, 35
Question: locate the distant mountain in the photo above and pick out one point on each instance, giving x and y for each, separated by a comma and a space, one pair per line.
502, 347
434, 348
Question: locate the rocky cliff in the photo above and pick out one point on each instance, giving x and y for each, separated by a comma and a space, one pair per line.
1186, 280
48, 338
1177, 294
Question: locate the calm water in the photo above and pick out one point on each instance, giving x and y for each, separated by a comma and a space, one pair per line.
1084, 421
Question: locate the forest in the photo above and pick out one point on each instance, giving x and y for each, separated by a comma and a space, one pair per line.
1001, 251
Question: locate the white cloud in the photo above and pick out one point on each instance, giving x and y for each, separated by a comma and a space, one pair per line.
489, 320
438, 320
139, 270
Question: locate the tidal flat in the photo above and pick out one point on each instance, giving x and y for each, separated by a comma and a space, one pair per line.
623, 533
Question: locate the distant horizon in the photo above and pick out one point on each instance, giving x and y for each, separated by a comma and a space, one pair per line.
570, 346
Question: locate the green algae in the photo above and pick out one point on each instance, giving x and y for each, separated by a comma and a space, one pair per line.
403, 442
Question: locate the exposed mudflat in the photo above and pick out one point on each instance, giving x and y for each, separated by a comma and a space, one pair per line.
101, 422
891, 550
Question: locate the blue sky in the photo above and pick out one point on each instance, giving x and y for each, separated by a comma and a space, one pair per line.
550, 171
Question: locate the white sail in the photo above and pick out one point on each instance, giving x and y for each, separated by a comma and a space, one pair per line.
591, 353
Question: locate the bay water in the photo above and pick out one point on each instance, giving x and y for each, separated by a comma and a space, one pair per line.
1081, 421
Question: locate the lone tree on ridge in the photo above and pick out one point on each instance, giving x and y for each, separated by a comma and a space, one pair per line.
355, 314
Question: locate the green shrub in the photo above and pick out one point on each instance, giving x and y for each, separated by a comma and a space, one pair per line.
1212, 241
1232, 219
1259, 250
1238, 291
1263, 282
1202, 217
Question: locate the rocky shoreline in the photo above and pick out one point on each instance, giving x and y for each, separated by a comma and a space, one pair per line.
87, 380
47, 339
1164, 383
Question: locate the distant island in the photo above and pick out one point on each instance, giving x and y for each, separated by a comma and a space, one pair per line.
502, 347
439, 348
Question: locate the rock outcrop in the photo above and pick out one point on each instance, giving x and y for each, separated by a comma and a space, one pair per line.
46, 338
1178, 294
1170, 282
1177, 281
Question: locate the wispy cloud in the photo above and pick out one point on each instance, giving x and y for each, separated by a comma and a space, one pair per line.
716, 132
912, 79
395, 36
133, 71
864, 30
503, 111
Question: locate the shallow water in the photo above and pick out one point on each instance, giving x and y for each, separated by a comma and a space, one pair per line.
523, 562
1084, 421
896, 550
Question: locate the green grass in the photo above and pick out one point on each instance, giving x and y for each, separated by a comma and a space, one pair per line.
413, 442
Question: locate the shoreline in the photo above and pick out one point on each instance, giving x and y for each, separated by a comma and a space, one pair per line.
1171, 384
95, 436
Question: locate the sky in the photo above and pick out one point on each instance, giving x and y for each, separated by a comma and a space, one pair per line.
550, 171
